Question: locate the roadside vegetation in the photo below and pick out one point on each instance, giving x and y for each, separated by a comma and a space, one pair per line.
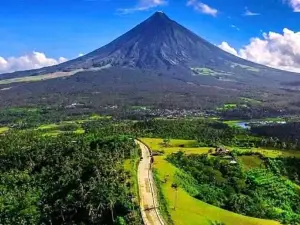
52, 159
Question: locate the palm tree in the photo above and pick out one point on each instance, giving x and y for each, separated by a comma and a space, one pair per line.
175, 187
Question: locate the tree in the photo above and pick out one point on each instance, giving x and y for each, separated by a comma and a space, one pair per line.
166, 142
175, 187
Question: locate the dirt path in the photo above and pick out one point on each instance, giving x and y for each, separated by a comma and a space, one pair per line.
148, 198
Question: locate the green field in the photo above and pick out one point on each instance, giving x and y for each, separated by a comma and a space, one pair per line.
249, 68
204, 71
251, 161
251, 100
227, 107
189, 210
3, 129
55, 129
131, 167
48, 127
272, 153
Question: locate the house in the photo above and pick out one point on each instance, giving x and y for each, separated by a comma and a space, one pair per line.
221, 151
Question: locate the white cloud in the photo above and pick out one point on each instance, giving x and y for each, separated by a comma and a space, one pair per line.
235, 27
249, 13
143, 5
277, 50
80, 54
226, 47
295, 4
33, 60
203, 8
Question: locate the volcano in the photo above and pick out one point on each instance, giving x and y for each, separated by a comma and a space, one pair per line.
157, 43
156, 61
161, 44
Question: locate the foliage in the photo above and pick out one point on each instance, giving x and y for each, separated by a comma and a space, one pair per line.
65, 180
256, 192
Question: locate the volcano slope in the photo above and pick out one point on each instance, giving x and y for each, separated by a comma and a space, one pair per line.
158, 63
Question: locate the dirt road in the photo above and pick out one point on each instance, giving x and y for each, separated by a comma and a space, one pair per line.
148, 197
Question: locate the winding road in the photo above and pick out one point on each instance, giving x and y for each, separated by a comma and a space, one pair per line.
148, 196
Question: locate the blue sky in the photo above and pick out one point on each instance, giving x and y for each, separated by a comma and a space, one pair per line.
70, 27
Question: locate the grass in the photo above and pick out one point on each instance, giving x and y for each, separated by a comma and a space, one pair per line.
232, 123
192, 211
52, 133
157, 143
249, 68
131, 166
79, 131
251, 100
189, 210
48, 126
269, 153
175, 145
39, 77
227, 106
98, 117
277, 153
251, 162
3, 129
202, 71
54, 129
205, 71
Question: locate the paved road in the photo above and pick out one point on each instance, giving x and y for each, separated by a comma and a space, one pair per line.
148, 198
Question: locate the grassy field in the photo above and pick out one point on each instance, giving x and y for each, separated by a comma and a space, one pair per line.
272, 153
39, 77
131, 166
175, 145
48, 127
3, 129
250, 68
227, 107
251, 100
190, 210
55, 129
251, 161
204, 71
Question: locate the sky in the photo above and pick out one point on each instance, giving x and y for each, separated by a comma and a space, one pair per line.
38, 33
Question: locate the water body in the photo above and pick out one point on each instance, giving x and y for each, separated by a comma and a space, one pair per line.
243, 125
247, 124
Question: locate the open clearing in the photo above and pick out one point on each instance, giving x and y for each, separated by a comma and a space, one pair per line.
55, 129
3, 129
251, 161
188, 147
190, 210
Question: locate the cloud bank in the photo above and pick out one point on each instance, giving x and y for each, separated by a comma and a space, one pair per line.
295, 4
277, 50
34, 60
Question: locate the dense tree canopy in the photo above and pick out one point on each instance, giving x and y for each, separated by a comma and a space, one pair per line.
67, 180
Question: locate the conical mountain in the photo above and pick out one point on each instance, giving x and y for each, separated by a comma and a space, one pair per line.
158, 62
156, 43
161, 44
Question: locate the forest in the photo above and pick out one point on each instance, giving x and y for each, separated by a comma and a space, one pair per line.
72, 179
